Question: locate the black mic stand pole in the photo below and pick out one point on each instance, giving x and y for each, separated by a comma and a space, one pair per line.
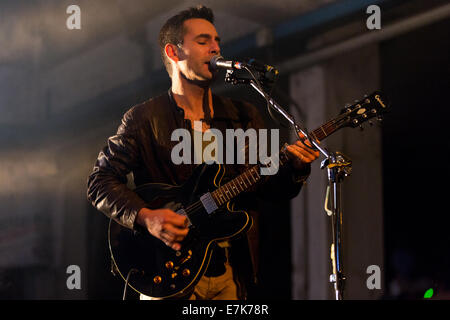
338, 167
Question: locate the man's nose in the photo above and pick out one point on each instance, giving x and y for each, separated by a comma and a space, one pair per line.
215, 47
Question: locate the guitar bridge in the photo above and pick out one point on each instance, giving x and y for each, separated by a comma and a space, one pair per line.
208, 203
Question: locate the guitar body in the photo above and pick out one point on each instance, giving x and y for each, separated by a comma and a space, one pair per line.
157, 270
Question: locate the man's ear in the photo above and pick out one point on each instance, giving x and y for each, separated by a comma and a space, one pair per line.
172, 52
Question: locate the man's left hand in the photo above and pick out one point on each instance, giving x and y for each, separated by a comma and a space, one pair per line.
301, 153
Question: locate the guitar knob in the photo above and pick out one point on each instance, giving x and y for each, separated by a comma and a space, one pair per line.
186, 272
157, 279
169, 264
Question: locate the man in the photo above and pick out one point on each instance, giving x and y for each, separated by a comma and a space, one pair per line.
143, 145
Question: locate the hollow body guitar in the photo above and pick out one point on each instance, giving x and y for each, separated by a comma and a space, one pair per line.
154, 269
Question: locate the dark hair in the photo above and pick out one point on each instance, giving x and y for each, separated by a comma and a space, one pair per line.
173, 31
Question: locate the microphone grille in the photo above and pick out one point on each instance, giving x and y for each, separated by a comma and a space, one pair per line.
214, 60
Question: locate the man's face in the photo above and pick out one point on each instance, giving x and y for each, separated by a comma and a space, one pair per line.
200, 44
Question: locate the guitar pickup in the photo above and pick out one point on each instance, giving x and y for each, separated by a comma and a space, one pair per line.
208, 203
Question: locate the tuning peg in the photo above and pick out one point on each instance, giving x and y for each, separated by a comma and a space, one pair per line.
361, 127
371, 123
380, 119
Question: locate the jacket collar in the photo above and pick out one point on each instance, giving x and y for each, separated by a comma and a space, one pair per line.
221, 108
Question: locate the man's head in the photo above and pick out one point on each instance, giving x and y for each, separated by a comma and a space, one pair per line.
187, 41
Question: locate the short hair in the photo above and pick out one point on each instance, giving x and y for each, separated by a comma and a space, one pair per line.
173, 30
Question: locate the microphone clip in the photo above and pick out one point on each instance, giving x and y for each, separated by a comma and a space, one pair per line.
265, 79
230, 77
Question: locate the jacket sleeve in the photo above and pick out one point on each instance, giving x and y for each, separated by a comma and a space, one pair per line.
285, 184
107, 184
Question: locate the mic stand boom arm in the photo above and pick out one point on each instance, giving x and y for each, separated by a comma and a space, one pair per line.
338, 167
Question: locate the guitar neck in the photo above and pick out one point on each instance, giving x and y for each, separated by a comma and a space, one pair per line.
244, 181
327, 129
240, 184
351, 116
252, 176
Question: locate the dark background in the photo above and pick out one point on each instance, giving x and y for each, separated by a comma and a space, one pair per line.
415, 76
66, 229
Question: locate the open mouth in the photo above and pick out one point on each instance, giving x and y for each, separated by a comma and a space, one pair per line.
209, 66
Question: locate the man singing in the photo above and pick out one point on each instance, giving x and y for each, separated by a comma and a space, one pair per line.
142, 146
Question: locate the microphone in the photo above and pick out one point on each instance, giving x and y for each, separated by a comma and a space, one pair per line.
218, 62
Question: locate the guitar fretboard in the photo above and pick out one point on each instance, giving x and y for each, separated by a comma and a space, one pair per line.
236, 186
243, 182
327, 129
251, 177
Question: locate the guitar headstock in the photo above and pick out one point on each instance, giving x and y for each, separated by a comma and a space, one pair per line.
372, 106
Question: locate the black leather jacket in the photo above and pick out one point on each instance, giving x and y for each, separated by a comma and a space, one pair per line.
142, 146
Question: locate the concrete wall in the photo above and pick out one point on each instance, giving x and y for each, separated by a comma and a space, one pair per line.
322, 91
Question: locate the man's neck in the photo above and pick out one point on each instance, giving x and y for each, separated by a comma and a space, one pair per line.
191, 96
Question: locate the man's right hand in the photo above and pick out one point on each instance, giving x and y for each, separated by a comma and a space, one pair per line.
164, 224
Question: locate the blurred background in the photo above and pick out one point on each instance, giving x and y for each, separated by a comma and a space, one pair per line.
63, 92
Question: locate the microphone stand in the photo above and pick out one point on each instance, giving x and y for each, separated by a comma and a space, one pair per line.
338, 166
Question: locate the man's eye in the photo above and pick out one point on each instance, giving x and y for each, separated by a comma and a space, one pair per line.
201, 42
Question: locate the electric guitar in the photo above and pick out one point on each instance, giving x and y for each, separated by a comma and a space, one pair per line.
150, 267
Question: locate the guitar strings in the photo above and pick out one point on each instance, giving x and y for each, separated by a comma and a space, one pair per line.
329, 124
335, 120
